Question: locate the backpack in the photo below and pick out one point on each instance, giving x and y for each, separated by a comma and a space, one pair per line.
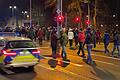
89, 39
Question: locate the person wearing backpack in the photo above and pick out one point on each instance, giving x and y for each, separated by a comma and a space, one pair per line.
89, 44
81, 40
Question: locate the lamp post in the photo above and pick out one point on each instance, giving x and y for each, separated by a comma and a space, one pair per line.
30, 13
13, 12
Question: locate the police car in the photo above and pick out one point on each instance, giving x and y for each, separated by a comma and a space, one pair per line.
17, 51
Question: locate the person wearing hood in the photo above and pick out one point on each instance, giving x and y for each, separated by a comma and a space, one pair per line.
106, 40
81, 40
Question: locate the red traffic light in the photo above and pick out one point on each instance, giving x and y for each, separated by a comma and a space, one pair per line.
77, 19
60, 18
87, 22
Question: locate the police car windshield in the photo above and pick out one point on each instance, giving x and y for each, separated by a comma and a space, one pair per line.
21, 44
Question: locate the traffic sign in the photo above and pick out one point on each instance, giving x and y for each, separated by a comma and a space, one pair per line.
58, 11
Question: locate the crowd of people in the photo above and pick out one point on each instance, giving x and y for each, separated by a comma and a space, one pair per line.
89, 37
34, 33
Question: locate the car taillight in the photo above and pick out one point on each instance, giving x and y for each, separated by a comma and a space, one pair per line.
9, 53
36, 52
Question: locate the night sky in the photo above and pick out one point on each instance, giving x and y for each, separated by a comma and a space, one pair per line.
24, 5
113, 5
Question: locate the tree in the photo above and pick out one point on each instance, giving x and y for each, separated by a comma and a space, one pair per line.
98, 8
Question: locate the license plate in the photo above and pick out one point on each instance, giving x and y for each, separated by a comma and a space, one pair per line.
24, 53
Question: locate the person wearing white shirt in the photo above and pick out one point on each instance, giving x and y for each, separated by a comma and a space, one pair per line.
70, 37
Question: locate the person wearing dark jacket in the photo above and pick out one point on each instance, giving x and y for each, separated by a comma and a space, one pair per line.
31, 33
116, 43
89, 45
54, 43
76, 36
106, 40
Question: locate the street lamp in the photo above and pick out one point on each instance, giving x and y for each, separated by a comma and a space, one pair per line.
114, 15
12, 8
28, 16
116, 25
24, 13
101, 25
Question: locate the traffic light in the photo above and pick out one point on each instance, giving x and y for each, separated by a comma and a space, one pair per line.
77, 19
87, 22
60, 19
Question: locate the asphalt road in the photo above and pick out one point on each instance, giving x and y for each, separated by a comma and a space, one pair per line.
19, 74
75, 68
104, 67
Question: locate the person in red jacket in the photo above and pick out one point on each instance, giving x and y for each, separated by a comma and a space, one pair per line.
81, 40
98, 36
40, 36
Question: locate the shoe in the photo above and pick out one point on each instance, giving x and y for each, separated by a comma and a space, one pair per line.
78, 54
87, 62
91, 62
83, 56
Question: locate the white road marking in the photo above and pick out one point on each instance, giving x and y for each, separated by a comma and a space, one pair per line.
96, 55
7, 71
94, 60
67, 72
107, 57
99, 61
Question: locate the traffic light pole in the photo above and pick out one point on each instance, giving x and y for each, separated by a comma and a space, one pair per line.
59, 25
59, 13
88, 13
